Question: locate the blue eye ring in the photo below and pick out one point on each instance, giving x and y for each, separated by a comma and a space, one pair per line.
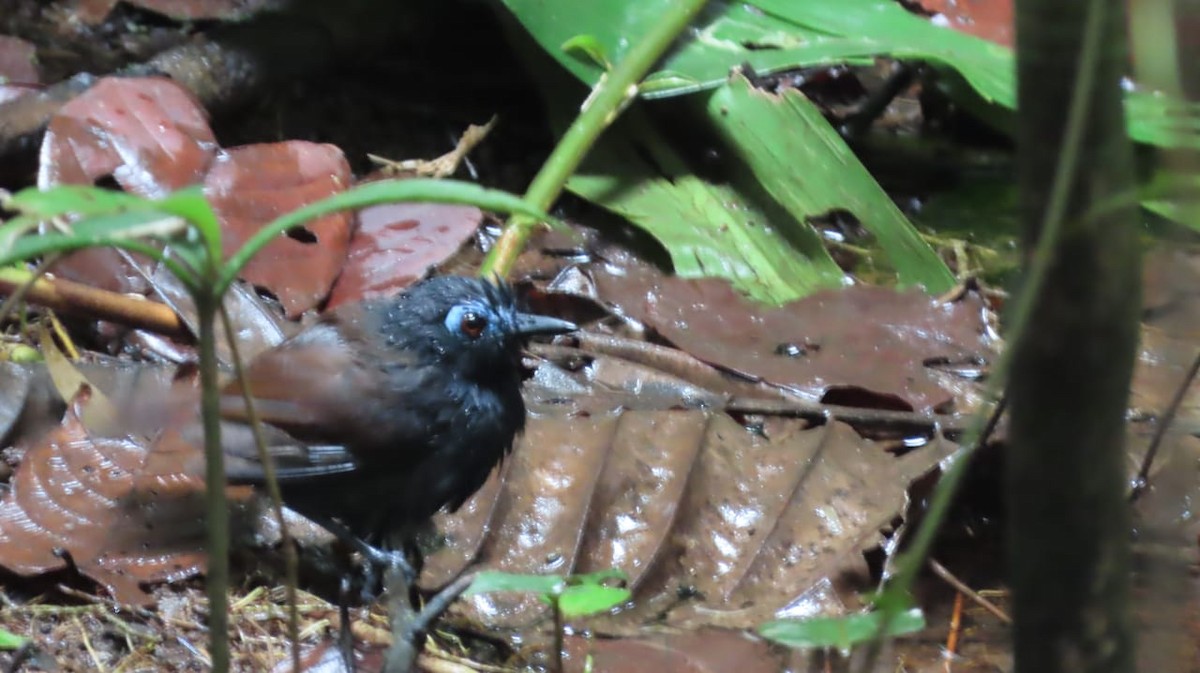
469, 321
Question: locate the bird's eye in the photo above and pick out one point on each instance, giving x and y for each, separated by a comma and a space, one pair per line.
473, 324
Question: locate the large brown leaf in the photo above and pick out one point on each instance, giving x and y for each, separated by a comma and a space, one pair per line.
66, 501
865, 346
748, 523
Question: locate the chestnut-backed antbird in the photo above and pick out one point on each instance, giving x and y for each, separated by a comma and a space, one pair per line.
398, 406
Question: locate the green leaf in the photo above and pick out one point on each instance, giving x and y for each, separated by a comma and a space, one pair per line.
11, 641
587, 47
598, 577
775, 35
93, 231
802, 162
587, 599
191, 204
493, 581
709, 229
75, 199
838, 632
14, 229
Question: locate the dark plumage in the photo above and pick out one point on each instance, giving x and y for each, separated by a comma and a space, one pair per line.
401, 406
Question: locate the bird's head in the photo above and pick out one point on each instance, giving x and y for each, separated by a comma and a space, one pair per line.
470, 324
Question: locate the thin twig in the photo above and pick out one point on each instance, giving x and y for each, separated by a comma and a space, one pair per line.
960, 586
1160, 431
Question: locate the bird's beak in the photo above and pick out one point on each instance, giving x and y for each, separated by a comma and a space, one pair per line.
530, 324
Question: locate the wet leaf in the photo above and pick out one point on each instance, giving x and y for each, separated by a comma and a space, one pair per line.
250, 186
772, 36
861, 346
696, 508
148, 134
709, 229
65, 499
701, 651
397, 244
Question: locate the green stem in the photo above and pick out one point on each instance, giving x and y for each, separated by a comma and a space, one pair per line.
614, 90
290, 560
218, 511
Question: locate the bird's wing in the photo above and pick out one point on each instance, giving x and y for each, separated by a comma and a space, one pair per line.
306, 386
317, 394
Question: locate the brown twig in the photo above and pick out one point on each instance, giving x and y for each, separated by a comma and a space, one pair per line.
949, 578
1160, 431
77, 299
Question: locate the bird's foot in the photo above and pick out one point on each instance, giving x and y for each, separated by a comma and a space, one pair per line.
379, 564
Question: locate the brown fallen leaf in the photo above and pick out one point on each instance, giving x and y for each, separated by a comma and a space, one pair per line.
75, 497
715, 523
860, 346
148, 134
396, 244
252, 185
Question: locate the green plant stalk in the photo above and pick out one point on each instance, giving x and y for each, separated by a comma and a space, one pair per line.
615, 90
216, 501
291, 562
913, 559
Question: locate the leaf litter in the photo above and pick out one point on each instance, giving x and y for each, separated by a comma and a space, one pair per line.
692, 502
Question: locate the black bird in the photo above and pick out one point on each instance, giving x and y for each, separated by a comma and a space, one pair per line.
400, 406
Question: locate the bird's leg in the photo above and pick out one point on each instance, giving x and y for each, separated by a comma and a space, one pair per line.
377, 560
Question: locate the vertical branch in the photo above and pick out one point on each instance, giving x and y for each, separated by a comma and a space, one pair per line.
1069, 520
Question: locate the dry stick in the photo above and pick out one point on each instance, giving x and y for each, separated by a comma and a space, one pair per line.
290, 560
955, 630
78, 299
1143, 476
960, 586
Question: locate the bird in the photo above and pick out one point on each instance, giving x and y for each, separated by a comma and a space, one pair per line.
386, 411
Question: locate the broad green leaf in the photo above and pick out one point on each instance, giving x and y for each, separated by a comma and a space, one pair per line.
588, 599
493, 581
841, 633
774, 35
708, 229
808, 169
